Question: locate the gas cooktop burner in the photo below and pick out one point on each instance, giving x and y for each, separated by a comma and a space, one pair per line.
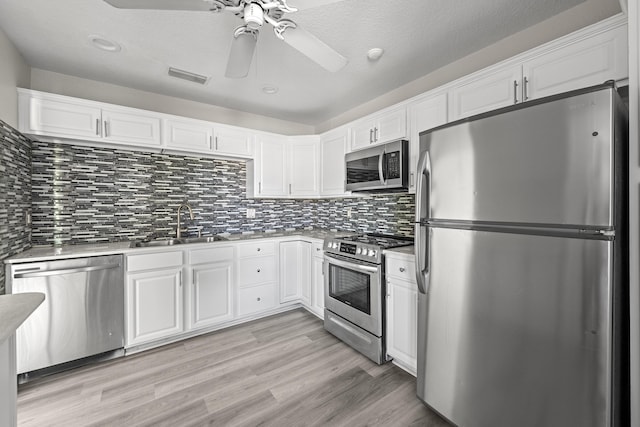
365, 247
384, 241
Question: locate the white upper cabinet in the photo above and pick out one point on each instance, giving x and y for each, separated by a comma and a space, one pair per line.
333, 146
131, 127
43, 116
585, 58
424, 113
60, 116
583, 63
237, 142
379, 128
303, 166
491, 90
202, 137
267, 174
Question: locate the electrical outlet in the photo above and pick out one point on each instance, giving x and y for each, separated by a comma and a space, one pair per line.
349, 212
251, 213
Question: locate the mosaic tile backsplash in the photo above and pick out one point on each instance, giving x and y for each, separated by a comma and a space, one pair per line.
15, 191
86, 194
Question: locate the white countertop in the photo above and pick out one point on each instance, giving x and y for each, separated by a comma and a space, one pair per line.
14, 309
44, 253
405, 250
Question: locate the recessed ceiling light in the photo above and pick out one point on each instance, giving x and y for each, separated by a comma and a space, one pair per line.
269, 89
105, 44
375, 53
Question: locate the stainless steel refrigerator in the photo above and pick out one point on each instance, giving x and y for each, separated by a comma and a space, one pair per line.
520, 260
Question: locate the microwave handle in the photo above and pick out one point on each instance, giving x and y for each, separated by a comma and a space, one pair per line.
381, 170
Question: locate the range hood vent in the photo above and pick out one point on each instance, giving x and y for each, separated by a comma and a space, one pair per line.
186, 75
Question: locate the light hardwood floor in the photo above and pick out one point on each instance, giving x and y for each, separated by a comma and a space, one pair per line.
284, 370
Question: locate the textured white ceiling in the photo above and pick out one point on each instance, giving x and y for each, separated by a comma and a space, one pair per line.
418, 36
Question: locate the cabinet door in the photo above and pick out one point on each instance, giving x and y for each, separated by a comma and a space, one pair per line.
289, 290
362, 134
584, 63
497, 89
154, 305
128, 127
317, 299
303, 167
271, 164
332, 169
425, 114
390, 126
232, 141
402, 326
62, 118
188, 135
211, 294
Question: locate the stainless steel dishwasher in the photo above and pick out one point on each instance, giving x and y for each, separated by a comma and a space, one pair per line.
82, 314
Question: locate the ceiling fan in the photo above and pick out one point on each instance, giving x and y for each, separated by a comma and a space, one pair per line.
255, 14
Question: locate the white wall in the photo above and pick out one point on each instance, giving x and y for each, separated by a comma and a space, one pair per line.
634, 206
62, 84
14, 72
587, 13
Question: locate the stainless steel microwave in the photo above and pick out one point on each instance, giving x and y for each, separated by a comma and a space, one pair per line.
383, 168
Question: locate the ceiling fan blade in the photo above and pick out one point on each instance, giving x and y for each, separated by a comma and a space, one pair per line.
314, 48
309, 4
241, 55
198, 5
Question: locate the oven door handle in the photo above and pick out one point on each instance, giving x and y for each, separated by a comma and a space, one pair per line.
352, 264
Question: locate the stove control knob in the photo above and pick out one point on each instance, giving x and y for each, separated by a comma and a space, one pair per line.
372, 252
359, 251
334, 245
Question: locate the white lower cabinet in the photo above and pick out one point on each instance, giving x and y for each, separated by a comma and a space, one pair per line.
402, 311
295, 272
317, 279
257, 277
210, 293
153, 297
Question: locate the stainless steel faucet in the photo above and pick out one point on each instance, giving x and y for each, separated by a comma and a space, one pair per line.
178, 230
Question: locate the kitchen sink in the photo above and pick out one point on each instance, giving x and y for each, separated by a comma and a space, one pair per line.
170, 242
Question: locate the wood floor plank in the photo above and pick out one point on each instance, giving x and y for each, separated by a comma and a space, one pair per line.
284, 370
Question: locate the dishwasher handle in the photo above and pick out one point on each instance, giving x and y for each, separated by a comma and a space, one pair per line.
65, 271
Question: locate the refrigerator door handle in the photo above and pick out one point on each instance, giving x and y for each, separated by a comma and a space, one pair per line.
423, 188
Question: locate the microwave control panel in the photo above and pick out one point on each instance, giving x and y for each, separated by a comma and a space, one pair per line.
394, 168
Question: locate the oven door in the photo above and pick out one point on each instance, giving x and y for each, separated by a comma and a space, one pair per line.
353, 291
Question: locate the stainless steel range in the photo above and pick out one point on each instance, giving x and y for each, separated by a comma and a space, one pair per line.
354, 290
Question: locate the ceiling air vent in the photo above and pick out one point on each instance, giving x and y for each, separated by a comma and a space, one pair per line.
185, 75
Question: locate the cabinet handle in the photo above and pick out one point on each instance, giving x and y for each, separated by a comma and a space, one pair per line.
289, 188
370, 136
515, 91
259, 187
106, 129
258, 249
375, 134
210, 142
524, 89
401, 269
216, 143
411, 180
318, 249
258, 270
180, 278
98, 127
258, 299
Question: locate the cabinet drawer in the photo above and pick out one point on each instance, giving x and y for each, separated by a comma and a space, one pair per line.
256, 270
154, 260
256, 249
256, 299
401, 268
215, 254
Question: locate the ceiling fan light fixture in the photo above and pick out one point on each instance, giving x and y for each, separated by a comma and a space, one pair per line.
253, 16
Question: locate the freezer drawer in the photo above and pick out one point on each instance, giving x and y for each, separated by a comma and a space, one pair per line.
552, 163
517, 330
82, 314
